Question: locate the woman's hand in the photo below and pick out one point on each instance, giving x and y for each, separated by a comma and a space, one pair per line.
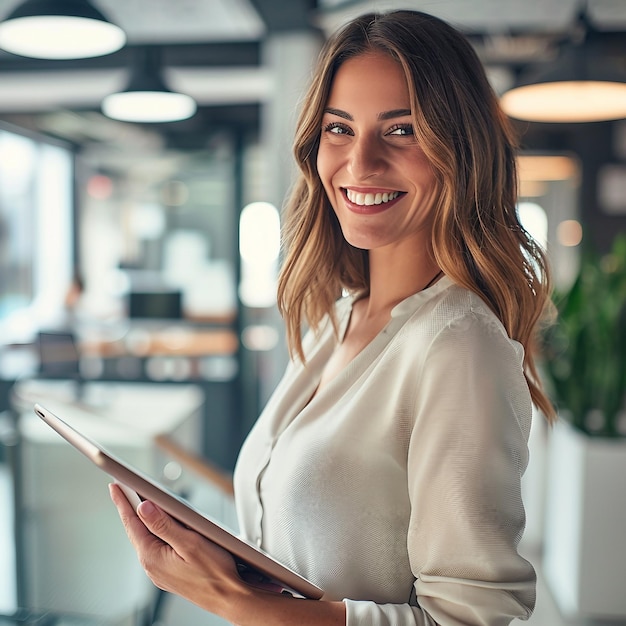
177, 559
183, 562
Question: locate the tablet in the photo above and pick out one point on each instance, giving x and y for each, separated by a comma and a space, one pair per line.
253, 564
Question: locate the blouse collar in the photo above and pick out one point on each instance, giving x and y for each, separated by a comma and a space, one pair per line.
410, 304
404, 308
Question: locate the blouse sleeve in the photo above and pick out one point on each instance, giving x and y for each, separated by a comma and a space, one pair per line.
467, 453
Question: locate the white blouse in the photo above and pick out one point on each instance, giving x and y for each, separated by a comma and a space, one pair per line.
397, 487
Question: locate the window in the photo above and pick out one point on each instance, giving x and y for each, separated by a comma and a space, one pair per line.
36, 251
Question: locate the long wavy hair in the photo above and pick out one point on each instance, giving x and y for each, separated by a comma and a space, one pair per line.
477, 238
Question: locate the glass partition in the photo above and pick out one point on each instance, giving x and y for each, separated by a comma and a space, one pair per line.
549, 209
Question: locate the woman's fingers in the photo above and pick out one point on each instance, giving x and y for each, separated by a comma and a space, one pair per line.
155, 553
160, 540
135, 528
182, 561
161, 525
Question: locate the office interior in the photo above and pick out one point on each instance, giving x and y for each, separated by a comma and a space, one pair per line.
138, 266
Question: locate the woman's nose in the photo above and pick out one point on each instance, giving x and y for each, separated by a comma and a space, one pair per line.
366, 158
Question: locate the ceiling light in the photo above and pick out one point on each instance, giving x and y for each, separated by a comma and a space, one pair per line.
147, 98
59, 29
580, 86
148, 106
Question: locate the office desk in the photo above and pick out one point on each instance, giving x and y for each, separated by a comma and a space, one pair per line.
142, 353
164, 342
75, 557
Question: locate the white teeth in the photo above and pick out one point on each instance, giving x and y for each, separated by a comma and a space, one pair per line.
368, 199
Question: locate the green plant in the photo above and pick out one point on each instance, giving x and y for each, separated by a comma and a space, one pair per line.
585, 350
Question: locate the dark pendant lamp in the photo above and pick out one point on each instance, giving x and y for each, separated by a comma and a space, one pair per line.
147, 98
580, 86
59, 29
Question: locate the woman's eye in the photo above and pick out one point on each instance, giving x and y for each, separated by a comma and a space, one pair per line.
401, 130
336, 128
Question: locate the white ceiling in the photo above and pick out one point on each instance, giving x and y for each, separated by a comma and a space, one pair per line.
177, 21
513, 31
498, 16
201, 21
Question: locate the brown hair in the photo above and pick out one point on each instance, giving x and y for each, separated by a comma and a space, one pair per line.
477, 239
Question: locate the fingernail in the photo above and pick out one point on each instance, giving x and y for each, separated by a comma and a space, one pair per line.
146, 509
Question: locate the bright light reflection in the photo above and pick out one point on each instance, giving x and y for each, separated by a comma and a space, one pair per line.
535, 221
569, 233
259, 232
259, 247
18, 157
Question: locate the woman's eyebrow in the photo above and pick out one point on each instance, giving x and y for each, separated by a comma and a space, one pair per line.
389, 115
339, 113
385, 115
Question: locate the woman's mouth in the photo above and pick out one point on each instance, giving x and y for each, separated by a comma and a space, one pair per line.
371, 201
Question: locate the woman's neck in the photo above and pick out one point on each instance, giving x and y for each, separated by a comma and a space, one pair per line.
395, 277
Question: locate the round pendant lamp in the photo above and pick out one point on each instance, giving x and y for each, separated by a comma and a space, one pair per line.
59, 29
581, 85
147, 98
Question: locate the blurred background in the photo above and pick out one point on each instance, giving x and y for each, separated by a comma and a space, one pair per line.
139, 249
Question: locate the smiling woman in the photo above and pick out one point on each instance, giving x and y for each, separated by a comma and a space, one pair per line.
386, 467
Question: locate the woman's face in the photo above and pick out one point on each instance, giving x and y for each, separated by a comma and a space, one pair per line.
377, 178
